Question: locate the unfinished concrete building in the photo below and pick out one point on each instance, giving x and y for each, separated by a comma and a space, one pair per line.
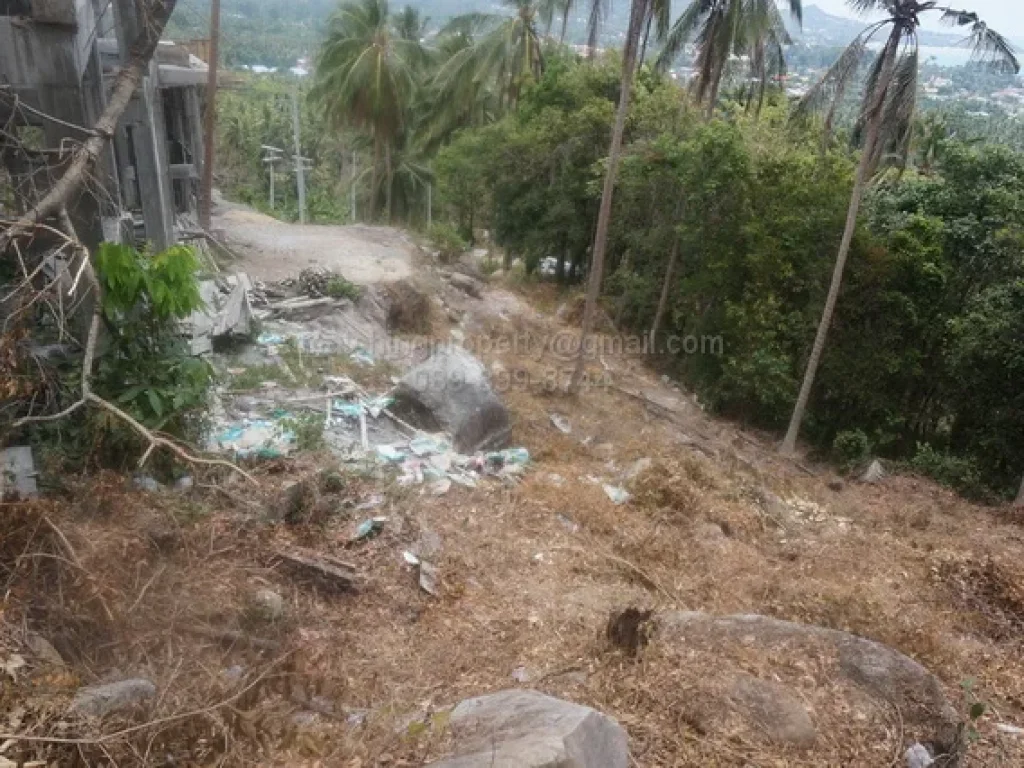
58, 61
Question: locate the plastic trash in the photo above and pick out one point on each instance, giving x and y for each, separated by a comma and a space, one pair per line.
390, 453
361, 356
369, 528
561, 423
618, 495
427, 446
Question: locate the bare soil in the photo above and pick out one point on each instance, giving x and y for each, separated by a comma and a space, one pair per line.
529, 573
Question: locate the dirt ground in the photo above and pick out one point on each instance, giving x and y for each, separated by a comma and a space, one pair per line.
273, 250
159, 584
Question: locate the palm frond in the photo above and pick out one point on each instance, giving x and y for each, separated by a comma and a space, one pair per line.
682, 32
829, 90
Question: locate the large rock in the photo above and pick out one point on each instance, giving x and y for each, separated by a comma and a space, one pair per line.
835, 675
450, 391
526, 729
102, 700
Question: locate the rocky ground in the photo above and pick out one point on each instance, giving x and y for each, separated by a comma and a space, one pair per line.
711, 602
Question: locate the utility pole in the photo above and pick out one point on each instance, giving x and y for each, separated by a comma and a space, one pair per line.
300, 169
210, 119
272, 158
352, 190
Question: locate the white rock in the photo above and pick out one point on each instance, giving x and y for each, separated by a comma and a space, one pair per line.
102, 700
874, 473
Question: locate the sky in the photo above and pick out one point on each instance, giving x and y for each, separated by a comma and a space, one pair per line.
1005, 16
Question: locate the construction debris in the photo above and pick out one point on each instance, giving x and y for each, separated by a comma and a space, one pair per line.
227, 312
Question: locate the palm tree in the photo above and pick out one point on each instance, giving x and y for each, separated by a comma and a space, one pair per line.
722, 28
366, 76
637, 17
505, 50
884, 124
1020, 495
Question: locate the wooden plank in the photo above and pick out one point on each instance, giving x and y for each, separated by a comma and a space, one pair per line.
327, 567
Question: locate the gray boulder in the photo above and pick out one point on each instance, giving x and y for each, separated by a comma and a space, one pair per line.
875, 473
526, 729
467, 284
858, 674
103, 700
450, 391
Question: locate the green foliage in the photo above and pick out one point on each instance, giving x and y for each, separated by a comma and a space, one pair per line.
162, 286
340, 288
851, 447
447, 241
957, 472
927, 344
308, 429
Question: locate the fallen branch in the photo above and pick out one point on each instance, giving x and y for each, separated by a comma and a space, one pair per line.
324, 566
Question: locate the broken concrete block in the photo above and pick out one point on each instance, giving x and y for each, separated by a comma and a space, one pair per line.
450, 391
102, 700
17, 473
526, 729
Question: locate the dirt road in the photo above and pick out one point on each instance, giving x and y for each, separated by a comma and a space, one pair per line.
272, 250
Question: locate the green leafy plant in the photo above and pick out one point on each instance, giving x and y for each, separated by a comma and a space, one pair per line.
957, 472
340, 288
145, 367
447, 241
851, 447
308, 429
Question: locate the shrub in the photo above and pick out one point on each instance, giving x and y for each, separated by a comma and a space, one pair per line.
851, 447
448, 241
340, 288
308, 429
957, 472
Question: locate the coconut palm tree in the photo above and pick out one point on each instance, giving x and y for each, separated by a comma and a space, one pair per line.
505, 50
884, 124
723, 28
366, 76
637, 17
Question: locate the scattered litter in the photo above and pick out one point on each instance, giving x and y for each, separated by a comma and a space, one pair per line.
269, 339
1012, 730
185, 483
146, 483
561, 423
390, 453
340, 385
520, 674
569, 525
372, 502
256, 437
619, 496
441, 487
369, 528
428, 578
556, 480
410, 558
17, 472
638, 467
225, 311
427, 446
361, 357
13, 663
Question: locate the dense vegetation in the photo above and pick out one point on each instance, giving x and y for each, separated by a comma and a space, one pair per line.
726, 221
928, 344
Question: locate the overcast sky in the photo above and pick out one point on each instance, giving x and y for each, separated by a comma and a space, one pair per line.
1005, 16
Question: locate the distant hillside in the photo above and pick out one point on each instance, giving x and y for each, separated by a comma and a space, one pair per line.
823, 28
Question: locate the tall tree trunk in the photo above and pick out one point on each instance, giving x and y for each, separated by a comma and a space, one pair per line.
565, 21
716, 82
859, 185
665, 290
1020, 495
389, 180
375, 180
88, 153
636, 17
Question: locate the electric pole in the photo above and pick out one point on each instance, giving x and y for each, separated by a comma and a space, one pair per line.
353, 188
272, 158
300, 169
210, 119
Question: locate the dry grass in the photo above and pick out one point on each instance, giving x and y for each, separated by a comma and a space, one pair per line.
530, 573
